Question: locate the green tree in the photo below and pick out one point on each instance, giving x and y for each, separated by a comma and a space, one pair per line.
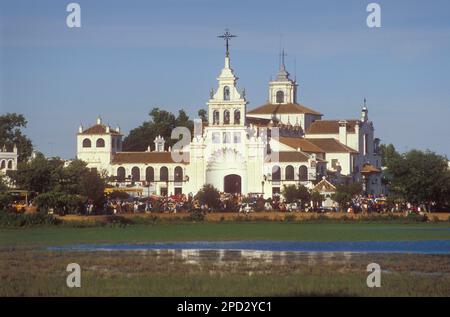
420, 177
210, 196
388, 153
42, 175
292, 193
11, 125
162, 123
203, 114
59, 202
317, 199
39, 175
345, 193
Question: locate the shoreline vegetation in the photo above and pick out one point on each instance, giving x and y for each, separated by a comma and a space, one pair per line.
25, 220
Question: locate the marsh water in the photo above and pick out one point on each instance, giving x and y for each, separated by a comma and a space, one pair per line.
412, 247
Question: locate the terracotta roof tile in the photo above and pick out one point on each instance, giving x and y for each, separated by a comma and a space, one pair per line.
294, 156
329, 127
324, 186
369, 169
143, 158
302, 143
99, 129
257, 121
283, 108
330, 145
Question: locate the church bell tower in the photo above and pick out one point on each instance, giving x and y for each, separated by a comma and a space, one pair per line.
226, 105
282, 90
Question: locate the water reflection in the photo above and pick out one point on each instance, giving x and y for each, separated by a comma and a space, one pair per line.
192, 256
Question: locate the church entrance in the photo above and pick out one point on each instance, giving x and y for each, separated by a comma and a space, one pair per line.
232, 184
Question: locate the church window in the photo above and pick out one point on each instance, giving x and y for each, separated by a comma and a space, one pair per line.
226, 93
9, 164
149, 174
289, 173
216, 117
216, 137
135, 174
178, 174
226, 137
226, 117
3, 164
276, 173
100, 143
303, 173
86, 143
163, 174
237, 117
237, 137
280, 96
121, 174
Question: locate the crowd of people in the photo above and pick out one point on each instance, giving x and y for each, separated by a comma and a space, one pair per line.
235, 203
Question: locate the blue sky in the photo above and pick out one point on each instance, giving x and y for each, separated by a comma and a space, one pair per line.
130, 56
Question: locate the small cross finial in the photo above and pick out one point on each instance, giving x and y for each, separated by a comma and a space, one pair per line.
227, 36
282, 56
364, 102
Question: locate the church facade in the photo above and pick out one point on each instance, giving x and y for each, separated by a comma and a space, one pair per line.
8, 159
255, 151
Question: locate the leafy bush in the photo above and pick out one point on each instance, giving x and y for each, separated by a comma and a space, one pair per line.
210, 196
417, 217
5, 200
196, 216
13, 219
59, 201
289, 218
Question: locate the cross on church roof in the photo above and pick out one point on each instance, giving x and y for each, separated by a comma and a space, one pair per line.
282, 56
227, 36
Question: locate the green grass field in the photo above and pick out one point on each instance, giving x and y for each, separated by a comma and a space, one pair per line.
225, 231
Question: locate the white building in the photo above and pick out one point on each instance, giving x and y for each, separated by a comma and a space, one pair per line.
240, 151
8, 159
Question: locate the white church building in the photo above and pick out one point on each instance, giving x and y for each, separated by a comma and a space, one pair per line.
255, 151
8, 159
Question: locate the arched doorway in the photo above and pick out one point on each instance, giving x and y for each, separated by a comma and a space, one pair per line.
232, 184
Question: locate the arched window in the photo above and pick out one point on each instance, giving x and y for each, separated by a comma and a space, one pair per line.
163, 174
216, 117
121, 174
226, 117
9, 164
86, 143
3, 165
276, 173
303, 173
226, 93
149, 174
289, 173
280, 96
135, 174
178, 174
237, 117
100, 143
